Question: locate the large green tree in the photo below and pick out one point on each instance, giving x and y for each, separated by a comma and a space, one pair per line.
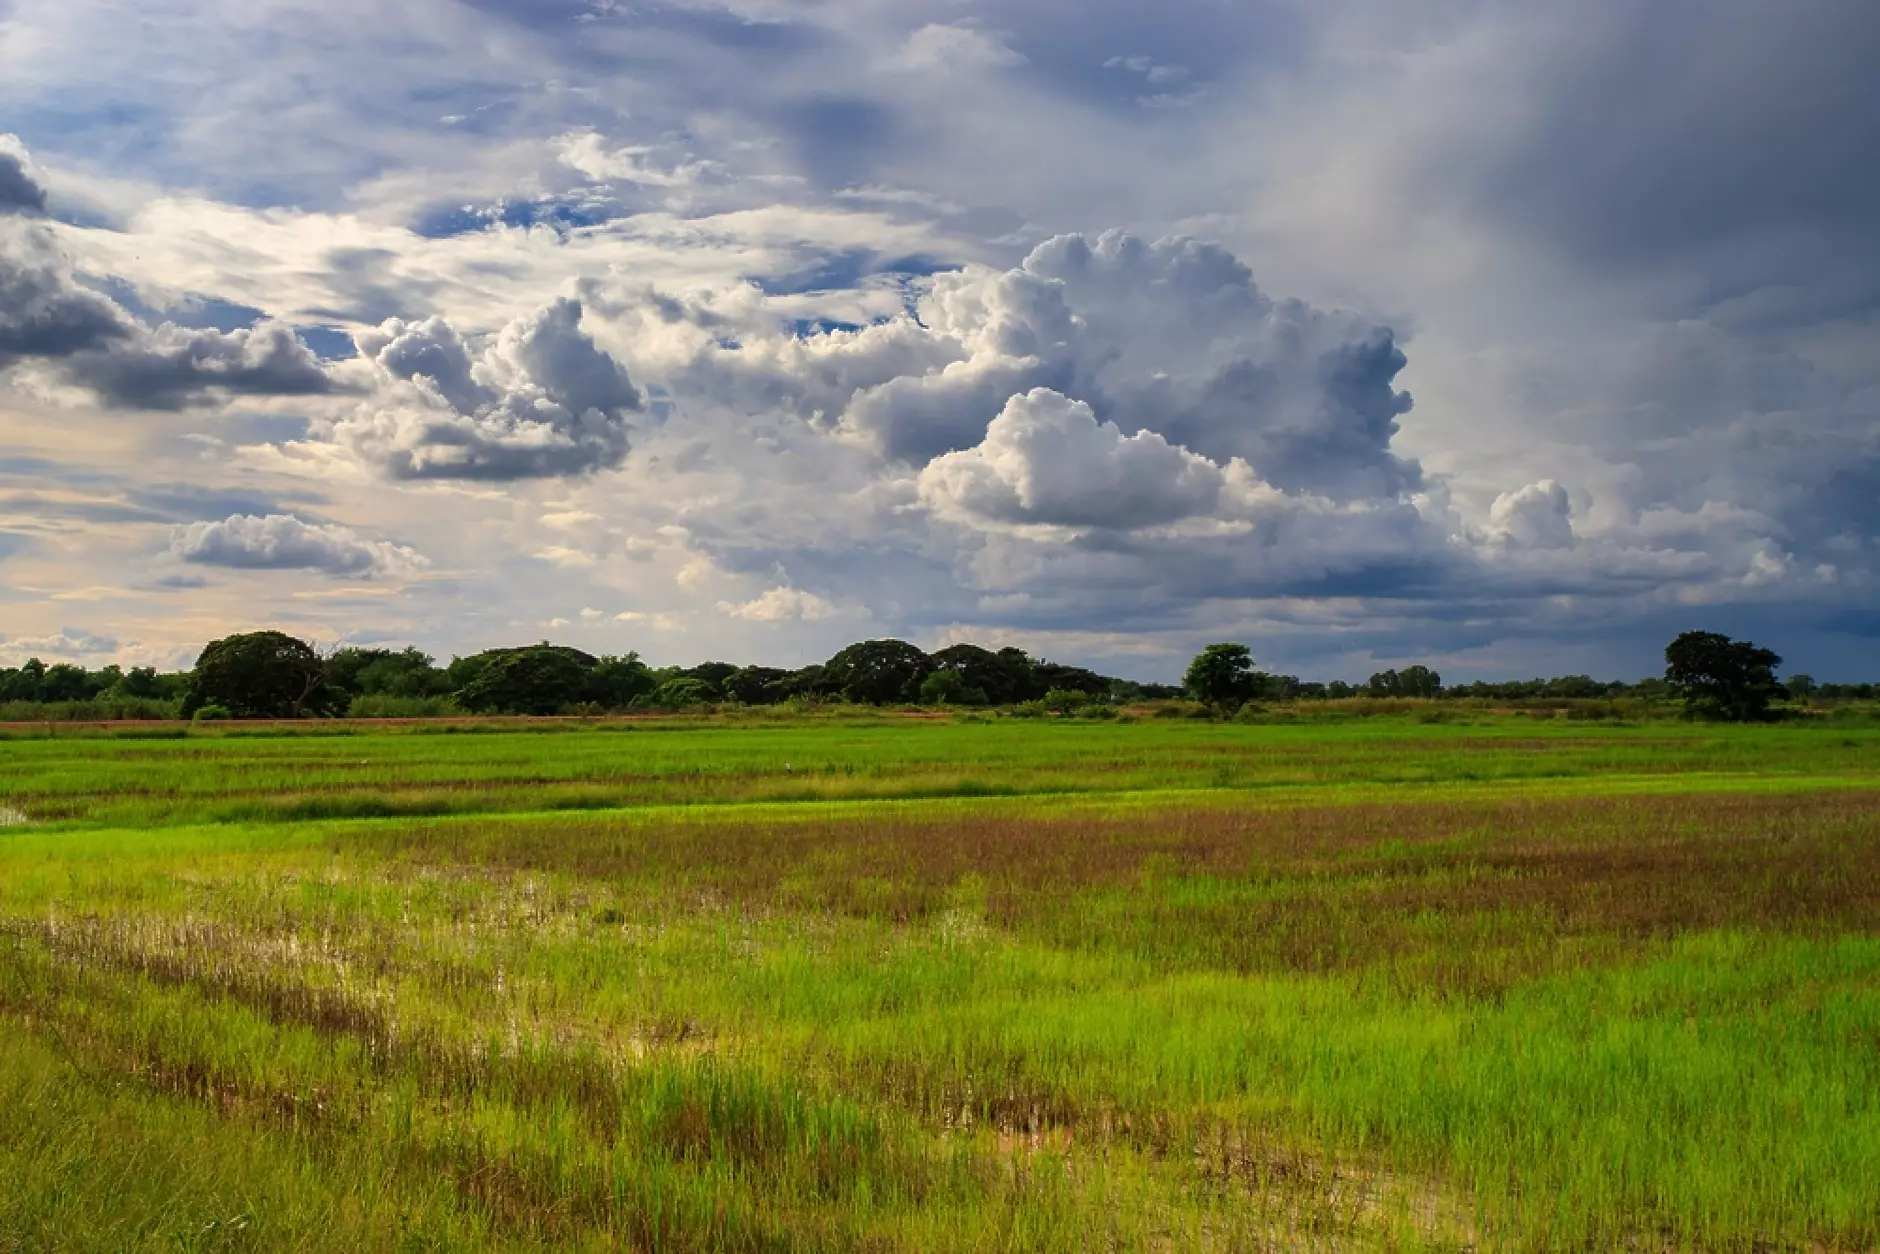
386, 672
1222, 675
261, 674
758, 685
617, 682
541, 679
1004, 677
1412, 681
1733, 681
878, 672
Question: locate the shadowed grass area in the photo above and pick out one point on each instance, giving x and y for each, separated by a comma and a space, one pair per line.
1406, 989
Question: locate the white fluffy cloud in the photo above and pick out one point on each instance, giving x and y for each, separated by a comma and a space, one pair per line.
540, 400
781, 605
284, 542
68, 642
1539, 516
1172, 337
1047, 460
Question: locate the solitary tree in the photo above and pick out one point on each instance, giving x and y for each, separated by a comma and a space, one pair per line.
1732, 681
1221, 675
261, 674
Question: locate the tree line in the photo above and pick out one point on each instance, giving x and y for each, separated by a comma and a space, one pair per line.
269, 674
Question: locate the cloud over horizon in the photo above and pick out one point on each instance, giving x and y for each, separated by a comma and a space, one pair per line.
1086, 328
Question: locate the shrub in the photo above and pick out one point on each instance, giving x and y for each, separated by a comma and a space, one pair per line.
384, 705
1066, 700
681, 693
946, 687
212, 714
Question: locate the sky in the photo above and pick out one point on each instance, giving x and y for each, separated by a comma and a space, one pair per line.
1504, 336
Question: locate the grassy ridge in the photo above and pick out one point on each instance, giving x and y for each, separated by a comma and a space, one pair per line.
1171, 986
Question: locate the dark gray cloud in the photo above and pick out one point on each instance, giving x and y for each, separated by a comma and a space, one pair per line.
47, 314
540, 401
1714, 133
838, 140
19, 191
174, 367
285, 542
43, 311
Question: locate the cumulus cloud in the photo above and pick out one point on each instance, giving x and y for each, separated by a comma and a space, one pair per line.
92, 342
1539, 516
1047, 460
540, 400
72, 642
284, 542
172, 367
1172, 337
44, 312
779, 605
20, 192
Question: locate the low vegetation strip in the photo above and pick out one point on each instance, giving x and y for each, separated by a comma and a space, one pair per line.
398, 774
1390, 988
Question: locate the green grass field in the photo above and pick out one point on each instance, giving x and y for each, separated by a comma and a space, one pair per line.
898, 984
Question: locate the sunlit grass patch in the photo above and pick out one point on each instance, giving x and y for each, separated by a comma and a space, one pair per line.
1146, 987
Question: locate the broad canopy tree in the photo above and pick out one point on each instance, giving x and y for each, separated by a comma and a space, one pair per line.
1731, 681
878, 672
1221, 675
1004, 677
538, 680
262, 674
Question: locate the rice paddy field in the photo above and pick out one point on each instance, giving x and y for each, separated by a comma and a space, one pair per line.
899, 984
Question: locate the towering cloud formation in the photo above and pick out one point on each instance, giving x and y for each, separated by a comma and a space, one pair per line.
1538, 516
540, 400
46, 314
1172, 337
1047, 460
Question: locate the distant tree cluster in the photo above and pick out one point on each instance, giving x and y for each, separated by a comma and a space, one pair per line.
271, 675
268, 674
62, 681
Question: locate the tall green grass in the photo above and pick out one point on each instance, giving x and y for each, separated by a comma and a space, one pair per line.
1388, 989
